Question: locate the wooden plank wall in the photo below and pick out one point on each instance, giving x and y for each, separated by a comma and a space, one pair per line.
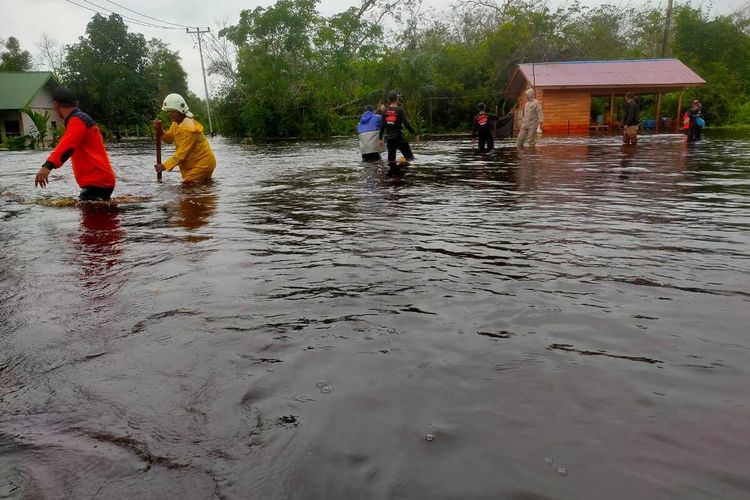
559, 107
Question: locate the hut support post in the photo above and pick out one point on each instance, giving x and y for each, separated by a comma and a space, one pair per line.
611, 111
658, 111
678, 122
431, 129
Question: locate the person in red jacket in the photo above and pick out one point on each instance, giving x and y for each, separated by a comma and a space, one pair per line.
82, 143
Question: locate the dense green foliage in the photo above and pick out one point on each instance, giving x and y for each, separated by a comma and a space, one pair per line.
302, 74
12, 58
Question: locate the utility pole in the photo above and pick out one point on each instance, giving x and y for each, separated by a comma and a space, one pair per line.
667, 25
199, 32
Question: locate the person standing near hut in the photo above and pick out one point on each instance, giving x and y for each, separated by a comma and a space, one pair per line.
193, 154
631, 120
483, 129
696, 122
533, 116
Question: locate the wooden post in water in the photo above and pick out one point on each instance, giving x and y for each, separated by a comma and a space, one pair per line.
158, 151
679, 114
658, 111
611, 111
494, 124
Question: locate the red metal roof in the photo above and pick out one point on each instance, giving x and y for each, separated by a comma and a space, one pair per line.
644, 73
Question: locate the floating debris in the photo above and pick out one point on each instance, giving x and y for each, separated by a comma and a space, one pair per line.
429, 437
562, 471
570, 348
321, 384
549, 460
502, 334
289, 421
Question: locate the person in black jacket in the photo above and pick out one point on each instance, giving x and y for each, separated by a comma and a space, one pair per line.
694, 129
482, 128
393, 125
631, 121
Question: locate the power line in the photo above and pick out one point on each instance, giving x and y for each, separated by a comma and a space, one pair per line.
83, 6
132, 20
147, 16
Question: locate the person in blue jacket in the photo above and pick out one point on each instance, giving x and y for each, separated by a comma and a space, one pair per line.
369, 134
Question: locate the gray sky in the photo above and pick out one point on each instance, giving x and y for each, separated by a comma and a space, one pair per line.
65, 22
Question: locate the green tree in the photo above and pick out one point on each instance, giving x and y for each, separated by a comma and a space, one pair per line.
109, 69
13, 58
719, 50
165, 68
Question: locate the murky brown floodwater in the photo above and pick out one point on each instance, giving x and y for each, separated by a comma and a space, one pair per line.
570, 323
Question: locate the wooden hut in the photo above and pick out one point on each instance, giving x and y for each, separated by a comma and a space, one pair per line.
565, 89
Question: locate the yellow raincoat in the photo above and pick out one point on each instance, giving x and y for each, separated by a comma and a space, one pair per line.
193, 154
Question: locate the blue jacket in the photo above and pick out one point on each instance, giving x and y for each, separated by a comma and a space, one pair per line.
370, 122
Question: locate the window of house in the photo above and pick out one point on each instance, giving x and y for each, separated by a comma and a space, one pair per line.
12, 127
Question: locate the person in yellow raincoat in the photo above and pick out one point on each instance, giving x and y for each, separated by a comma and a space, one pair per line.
193, 154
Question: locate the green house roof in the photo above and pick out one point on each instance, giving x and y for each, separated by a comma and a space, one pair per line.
18, 88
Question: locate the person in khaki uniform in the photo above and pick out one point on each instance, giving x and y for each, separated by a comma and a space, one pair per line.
193, 154
631, 121
533, 116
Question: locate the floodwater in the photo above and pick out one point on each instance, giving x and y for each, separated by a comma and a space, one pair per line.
564, 323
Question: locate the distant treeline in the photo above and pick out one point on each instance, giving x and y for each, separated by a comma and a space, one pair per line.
288, 71
297, 73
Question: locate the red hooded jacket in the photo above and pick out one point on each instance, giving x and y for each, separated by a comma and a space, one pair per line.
82, 142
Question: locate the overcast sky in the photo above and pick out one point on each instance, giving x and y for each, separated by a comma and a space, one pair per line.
65, 22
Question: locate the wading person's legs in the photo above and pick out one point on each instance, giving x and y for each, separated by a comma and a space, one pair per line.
95, 194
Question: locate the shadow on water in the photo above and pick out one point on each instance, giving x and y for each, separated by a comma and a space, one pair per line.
566, 321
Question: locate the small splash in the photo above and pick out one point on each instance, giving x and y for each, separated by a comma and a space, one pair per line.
324, 387
429, 437
75, 202
562, 471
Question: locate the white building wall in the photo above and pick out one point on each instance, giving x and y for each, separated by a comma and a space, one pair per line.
41, 102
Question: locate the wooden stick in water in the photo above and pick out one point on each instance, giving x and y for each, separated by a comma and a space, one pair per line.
159, 131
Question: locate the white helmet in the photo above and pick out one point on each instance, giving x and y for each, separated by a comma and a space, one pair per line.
175, 102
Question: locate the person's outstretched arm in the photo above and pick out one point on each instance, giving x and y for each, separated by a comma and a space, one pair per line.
75, 131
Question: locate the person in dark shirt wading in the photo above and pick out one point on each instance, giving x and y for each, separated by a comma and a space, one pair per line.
631, 120
696, 122
393, 125
483, 129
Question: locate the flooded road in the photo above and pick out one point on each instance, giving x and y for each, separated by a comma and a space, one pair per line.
565, 323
